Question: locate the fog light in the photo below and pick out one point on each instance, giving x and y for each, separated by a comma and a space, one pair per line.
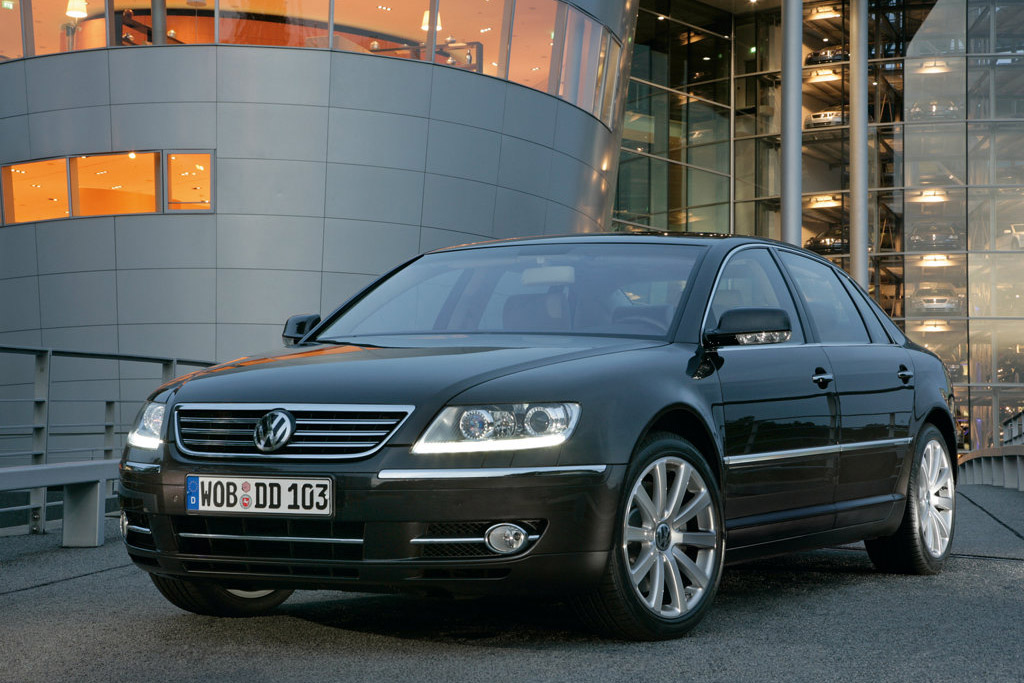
505, 538
124, 525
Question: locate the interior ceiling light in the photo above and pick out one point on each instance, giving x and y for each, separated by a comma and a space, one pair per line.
823, 76
824, 201
933, 66
933, 326
929, 196
77, 9
935, 261
828, 12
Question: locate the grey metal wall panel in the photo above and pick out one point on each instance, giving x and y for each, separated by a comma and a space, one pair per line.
55, 82
377, 139
19, 304
186, 296
270, 187
529, 115
463, 151
581, 136
74, 299
525, 166
76, 245
399, 86
179, 73
339, 288
181, 340
578, 186
14, 140
273, 75
434, 238
374, 194
264, 296
274, 242
167, 241
366, 247
271, 131
18, 251
69, 131
458, 204
561, 220
234, 341
175, 125
13, 86
467, 98
517, 214
97, 338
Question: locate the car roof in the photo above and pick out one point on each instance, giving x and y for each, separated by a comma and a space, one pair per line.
645, 237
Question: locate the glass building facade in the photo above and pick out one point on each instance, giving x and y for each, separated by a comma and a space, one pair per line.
701, 152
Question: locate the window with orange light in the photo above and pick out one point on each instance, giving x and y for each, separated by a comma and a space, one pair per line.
188, 182
114, 184
36, 191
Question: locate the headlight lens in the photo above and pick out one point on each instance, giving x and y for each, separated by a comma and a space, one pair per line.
148, 427
504, 427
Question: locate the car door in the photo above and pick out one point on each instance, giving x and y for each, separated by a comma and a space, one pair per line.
778, 414
874, 380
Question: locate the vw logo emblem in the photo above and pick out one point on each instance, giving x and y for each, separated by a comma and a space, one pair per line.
273, 430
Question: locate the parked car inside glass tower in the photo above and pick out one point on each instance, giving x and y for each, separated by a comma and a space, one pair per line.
605, 419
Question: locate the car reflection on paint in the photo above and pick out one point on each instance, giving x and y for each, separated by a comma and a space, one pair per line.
586, 418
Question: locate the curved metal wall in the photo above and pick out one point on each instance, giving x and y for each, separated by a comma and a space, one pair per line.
329, 169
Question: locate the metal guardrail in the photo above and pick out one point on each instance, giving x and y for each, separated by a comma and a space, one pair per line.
994, 466
36, 434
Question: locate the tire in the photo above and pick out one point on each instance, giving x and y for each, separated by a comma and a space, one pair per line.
922, 542
213, 600
667, 549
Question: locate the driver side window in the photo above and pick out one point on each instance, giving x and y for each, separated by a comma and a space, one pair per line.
751, 279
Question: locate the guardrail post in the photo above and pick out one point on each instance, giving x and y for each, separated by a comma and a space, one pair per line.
170, 369
1010, 471
84, 510
40, 430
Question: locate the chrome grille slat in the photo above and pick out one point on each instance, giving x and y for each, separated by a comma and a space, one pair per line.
322, 431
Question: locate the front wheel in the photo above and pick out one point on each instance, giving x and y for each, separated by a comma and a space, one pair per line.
922, 542
217, 601
666, 558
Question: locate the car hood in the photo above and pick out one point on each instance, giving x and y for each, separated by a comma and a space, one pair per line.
417, 372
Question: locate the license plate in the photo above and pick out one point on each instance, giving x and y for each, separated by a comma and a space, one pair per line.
259, 495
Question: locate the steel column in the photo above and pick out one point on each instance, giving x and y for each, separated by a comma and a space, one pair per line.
859, 141
792, 135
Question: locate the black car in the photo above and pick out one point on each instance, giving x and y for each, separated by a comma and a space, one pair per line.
595, 417
926, 110
827, 55
835, 239
931, 236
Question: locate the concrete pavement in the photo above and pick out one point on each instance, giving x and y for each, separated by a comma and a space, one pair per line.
88, 615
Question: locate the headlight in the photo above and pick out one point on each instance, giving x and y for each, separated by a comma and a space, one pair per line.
148, 427
510, 427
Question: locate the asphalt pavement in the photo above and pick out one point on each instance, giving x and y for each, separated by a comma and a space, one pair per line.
89, 615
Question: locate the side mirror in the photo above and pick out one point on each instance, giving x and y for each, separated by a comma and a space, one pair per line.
749, 326
297, 326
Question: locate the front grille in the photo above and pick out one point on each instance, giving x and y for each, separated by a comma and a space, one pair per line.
268, 538
321, 431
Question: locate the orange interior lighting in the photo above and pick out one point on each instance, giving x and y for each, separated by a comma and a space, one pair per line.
188, 182
36, 191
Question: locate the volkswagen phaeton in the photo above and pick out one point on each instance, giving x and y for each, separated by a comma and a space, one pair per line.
605, 419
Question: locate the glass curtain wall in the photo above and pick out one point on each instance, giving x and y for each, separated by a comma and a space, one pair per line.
675, 165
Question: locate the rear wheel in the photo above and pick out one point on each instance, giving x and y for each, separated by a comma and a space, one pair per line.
922, 542
668, 548
217, 601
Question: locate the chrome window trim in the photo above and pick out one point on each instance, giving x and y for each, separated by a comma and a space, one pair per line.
758, 458
337, 407
487, 472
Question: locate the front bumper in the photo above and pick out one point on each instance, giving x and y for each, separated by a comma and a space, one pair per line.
396, 529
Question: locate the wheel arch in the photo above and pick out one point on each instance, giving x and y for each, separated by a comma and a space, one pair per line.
687, 423
944, 423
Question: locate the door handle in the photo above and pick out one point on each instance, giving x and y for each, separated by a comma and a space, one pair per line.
821, 378
904, 374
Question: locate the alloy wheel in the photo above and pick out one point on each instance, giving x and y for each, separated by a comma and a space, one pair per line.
935, 490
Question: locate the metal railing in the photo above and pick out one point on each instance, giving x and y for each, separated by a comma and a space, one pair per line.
30, 433
1003, 466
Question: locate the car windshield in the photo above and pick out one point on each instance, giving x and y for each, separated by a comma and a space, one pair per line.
566, 288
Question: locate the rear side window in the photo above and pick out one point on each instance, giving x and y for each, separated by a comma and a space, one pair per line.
751, 279
827, 302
